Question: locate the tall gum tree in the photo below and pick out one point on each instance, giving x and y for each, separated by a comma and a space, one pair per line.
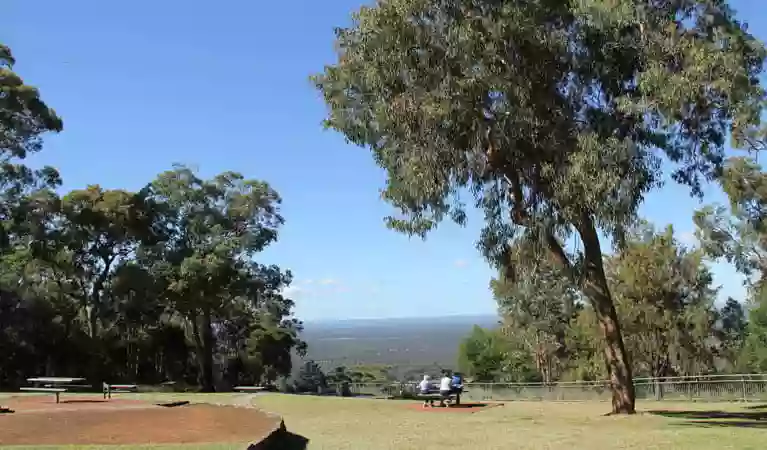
554, 116
206, 265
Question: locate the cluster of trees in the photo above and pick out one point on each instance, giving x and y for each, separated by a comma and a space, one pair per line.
665, 301
147, 286
664, 296
555, 119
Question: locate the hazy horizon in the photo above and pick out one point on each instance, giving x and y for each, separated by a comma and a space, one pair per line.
414, 318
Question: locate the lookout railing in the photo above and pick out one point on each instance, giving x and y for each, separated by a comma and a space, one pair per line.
730, 387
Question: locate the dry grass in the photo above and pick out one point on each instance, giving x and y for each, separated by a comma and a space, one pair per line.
338, 423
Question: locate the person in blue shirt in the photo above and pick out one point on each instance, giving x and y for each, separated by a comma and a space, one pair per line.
457, 387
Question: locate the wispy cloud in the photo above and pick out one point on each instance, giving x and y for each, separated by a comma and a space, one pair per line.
309, 287
460, 263
293, 291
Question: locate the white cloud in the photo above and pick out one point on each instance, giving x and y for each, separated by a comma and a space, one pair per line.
328, 282
460, 263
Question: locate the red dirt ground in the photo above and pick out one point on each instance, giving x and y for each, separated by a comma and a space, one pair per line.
462, 408
38, 420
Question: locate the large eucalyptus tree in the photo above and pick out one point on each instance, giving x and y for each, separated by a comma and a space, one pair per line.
553, 115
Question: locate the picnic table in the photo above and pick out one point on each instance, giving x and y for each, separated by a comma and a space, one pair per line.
452, 399
54, 385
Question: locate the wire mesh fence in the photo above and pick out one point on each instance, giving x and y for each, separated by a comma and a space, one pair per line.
736, 387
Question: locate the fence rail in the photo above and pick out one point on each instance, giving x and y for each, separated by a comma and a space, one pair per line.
745, 387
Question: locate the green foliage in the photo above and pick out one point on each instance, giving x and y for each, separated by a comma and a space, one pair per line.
481, 355
310, 378
536, 313
754, 355
731, 331
737, 233
367, 373
665, 300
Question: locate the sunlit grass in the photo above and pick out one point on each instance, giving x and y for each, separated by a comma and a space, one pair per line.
334, 423
341, 423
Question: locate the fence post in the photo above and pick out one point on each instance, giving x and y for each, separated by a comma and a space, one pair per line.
743, 388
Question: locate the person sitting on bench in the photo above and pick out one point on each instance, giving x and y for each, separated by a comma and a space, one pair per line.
457, 387
445, 388
425, 388
457, 383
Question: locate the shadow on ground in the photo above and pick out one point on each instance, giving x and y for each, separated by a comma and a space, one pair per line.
282, 440
292, 441
469, 405
757, 407
754, 418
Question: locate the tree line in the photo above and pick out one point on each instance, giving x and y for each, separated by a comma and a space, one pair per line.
664, 295
159, 284
666, 303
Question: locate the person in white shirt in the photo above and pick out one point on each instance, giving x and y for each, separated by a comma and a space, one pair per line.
445, 388
425, 388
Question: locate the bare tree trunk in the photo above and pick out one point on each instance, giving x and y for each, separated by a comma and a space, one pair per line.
203, 337
596, 289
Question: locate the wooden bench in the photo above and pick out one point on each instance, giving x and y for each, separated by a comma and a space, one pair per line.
249, 388
107, 389
56, 391
453, 398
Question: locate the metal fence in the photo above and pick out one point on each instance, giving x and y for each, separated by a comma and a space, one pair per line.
738, 387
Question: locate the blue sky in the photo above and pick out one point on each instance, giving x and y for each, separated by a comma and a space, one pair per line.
224, 86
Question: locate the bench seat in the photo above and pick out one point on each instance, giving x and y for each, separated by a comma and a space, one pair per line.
43, 389
56, 391
249, 388
432, 396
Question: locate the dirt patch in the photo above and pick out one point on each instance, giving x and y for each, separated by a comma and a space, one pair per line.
463, 407
119, 421
38, 403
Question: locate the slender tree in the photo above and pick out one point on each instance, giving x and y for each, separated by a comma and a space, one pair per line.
665, 301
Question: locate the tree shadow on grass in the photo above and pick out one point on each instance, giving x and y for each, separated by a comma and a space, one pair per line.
292, 441
284, 440
738, 419
756, 407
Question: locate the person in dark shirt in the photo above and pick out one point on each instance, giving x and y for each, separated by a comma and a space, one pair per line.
456, 385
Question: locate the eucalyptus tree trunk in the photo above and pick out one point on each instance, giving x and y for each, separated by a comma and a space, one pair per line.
203, 340
596, 289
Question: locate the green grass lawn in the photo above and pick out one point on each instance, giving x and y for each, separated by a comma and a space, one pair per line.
338, 423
